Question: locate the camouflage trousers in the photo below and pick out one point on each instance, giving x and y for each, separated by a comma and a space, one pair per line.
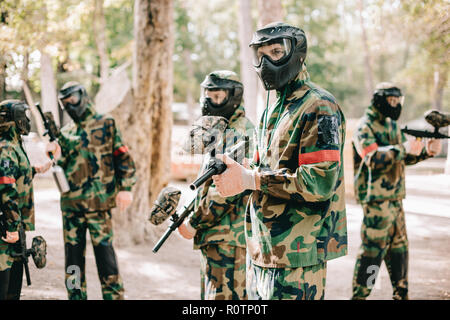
383, 235
307, 283
100, 229
11, 273
6, 260
222, 271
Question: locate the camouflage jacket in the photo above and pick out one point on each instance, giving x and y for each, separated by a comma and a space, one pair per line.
217, 219
16, 180
96, 163
298, 218
379, 158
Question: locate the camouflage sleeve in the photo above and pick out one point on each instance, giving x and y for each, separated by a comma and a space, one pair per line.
412, 159
125, 169
66, 146
320, 146
211, 207
8, 188
379, 158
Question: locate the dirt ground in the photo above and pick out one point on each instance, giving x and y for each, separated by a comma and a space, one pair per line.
173, 273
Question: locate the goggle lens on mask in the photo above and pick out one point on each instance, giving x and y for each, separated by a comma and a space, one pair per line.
73, 99
275, 50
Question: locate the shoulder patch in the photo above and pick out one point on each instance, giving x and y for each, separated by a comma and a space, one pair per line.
328, 128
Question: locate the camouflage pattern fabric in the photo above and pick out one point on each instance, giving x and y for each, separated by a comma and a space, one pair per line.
16, 181
384, 238
96, 162
6, 260
165, 205
437, 119
205, 134
298, 218
100, 228
379, 166
16, 188
307, 283
39, 252
222, 272
379, 158
217, 219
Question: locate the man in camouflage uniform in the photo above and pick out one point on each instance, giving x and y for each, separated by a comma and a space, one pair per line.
101, 173
296, 220
218, 222
380, 154
16, 191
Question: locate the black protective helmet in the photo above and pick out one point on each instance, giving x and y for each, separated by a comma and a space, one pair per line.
379, 100
221, 80
18, 113
291, 44
77, 108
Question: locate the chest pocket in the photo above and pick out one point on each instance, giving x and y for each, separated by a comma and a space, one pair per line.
283, 143
101, 136
101, 149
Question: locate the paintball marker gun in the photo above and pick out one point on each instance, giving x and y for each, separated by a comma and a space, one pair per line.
3, 226
52, 131
205, 137
166, 206
437, 120
38, 251
38, 248
216, 166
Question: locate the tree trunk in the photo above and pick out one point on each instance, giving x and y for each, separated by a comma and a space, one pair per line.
367, 56
146, 115
191, 80
28, 96
270, 11
2, 78
447, 163
100, 39
248, 74
49, 100
440, 81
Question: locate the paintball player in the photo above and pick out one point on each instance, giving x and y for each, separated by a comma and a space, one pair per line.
101, 173
217, 222
296, 219
16, 192
380, 153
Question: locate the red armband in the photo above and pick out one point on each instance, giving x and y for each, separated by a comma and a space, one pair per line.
122, 149
366, 150
319, 156
7, 180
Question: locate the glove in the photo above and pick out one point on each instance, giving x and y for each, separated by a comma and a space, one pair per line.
43, 168
235, 179
434, 147
11, 237
123, 200
413, 147
53, 148
186, 230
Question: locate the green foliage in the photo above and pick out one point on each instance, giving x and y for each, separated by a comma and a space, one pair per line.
408, 40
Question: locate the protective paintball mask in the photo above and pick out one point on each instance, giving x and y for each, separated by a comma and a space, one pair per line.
74, 101
389, 102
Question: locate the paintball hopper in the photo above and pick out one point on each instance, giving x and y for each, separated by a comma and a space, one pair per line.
39, 252
165, 205
205, 133
437, 119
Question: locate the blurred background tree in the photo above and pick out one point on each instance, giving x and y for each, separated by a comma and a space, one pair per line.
352, 45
